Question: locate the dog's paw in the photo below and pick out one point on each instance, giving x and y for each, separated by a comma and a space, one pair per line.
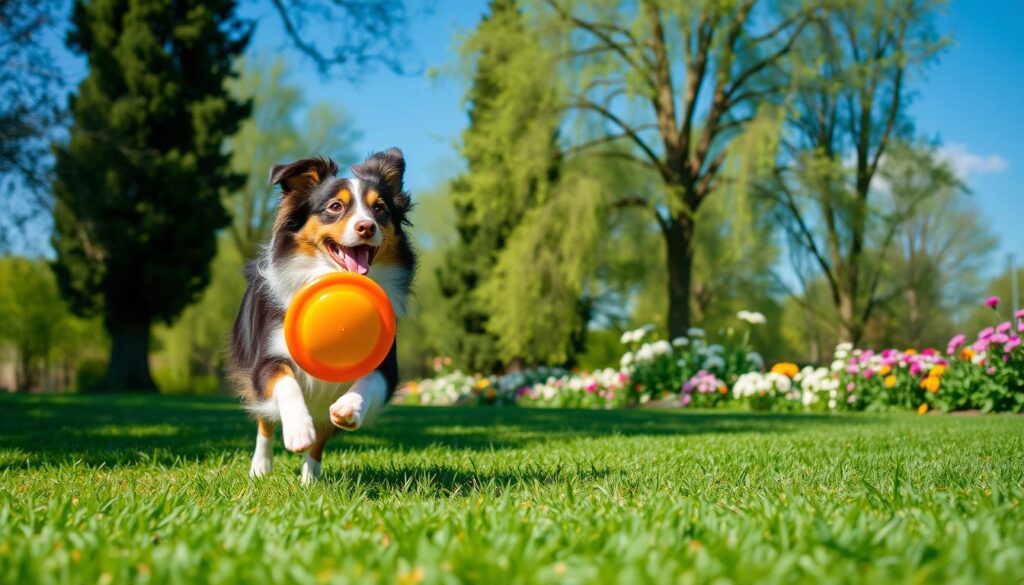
299, 433
310, 470
347, 412
261, 465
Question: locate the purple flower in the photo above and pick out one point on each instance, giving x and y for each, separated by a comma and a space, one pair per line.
687, 399
1004, 327
915, 369
992, 302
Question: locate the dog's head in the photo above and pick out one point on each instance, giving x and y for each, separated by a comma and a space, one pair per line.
353, 222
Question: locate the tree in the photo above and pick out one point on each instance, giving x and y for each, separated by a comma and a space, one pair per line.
139, 183
35, 321
624, 59
509, 148
850, 110
29, 110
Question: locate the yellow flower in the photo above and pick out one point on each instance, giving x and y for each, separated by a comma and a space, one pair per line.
910, 351
490, 394
937, 370
786, 369
931, 384
966, 354
923, 408
890, 381
413, 387
482, 383
884, 370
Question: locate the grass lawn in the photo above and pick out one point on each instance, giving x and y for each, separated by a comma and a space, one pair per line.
112, 489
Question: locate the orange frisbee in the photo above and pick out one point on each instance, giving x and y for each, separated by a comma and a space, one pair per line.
339, 327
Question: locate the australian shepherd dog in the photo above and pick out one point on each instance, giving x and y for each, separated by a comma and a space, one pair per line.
324, 223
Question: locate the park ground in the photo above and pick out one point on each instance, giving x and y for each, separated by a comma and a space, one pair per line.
101, 489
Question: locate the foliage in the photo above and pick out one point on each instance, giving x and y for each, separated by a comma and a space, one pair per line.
450, 494
36, 322
509, 148
139, 182
845, 184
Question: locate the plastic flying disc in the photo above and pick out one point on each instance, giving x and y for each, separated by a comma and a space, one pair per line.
339, 327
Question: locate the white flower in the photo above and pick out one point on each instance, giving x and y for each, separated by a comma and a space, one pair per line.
626, 338
838, 365
756, 359
695, 332
752, 317
680, 342
662, 347
715, 349
627, 359
713, 362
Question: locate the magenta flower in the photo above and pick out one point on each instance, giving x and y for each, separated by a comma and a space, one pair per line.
992, 302
986, 333
915, 369
1004, 327
1018, 314
868, 374
591, 387
1020, 327
955, 343
1012, 344
687, 399
999, 338
980, 345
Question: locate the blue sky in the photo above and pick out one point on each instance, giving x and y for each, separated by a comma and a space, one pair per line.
972, 100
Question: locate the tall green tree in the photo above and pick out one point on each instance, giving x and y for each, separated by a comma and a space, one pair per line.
675, 83
140, 181
510, 152
849, 112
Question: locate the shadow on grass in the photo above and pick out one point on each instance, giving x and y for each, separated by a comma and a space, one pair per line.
133, 429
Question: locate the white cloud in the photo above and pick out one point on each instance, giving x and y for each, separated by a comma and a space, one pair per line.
966, 163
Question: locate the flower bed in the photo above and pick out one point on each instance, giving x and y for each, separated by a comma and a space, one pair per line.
986, 374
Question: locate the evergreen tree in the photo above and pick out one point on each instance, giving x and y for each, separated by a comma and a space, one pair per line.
140, 181
510, 151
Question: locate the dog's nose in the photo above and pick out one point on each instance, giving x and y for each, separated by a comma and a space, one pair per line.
366, 229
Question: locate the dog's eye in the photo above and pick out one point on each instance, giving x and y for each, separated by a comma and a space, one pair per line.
335, 207
379, 209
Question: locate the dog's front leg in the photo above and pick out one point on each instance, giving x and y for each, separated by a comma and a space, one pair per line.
278, 380
361, 403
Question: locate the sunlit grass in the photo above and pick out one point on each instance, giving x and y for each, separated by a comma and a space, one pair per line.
111, 489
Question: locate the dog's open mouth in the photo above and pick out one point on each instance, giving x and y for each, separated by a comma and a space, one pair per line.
355, 259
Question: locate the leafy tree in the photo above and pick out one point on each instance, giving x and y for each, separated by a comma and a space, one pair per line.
282, 127
139, 183
676, 83
509, 148
36, 322
849, 112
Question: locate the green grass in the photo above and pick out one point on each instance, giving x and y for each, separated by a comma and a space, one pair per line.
106, 490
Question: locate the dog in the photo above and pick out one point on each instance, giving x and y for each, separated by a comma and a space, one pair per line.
324, 223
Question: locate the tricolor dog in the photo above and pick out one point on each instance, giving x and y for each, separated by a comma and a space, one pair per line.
324, 223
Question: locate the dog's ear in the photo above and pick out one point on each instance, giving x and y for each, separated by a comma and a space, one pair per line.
302, 175
388, 166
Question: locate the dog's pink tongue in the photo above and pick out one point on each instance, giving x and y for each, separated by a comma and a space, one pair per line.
357, 259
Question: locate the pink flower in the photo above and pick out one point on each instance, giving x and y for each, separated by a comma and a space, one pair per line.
980, 345
1018, 314
686, 399
928, 351
868, 374
986, 333
915, 369
999, 338
1020, 327
851, 387
991, 371
1004, 327
955, 343
852, 398
992, 302
1012, 344
591, 387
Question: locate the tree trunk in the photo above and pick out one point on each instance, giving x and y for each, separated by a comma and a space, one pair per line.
679, 248
128, 370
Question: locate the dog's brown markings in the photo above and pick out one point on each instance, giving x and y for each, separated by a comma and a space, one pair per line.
389, 250
308, 237
345, 196
371, 197
302, 182
265, 428
323, 434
